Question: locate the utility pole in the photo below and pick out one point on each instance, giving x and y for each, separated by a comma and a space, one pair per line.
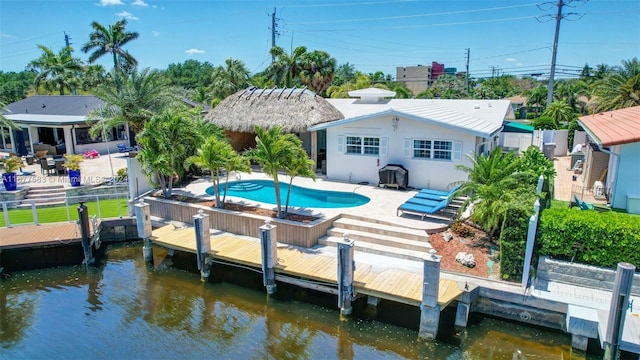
67, 40
466, 80
560, 4
558, 17
274, 32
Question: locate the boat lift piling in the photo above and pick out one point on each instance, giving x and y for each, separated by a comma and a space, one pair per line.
346, 268
269, 253
143, 224
203, 243
429, 308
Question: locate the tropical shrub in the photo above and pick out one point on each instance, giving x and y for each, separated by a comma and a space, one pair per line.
601, 239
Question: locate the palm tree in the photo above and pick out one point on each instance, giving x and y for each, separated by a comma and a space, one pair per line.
318, 70
285, 69
164, 143
620, 88
4, 122
110, 40
227, 80
142, 94
273, 152
93, 76
489, 187
538, 98
217, 155
300, 165
570, 91
560, 112
56, 70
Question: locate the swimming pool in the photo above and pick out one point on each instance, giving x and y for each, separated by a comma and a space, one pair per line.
262, 191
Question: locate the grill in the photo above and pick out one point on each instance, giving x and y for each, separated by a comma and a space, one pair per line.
392, 175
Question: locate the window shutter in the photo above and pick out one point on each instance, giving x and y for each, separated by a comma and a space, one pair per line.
384, 145
408, 147
340, 144
456, 154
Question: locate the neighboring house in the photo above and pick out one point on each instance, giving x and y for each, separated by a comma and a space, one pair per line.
429, 137
613, 156
516, 136
58, 124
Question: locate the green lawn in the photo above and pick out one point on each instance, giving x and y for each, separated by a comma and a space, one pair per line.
108, 208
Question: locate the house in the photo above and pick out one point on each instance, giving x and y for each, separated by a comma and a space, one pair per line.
429, 137
58, 124
612, 156
516, 136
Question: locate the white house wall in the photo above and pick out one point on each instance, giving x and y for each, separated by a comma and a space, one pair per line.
423, 173
521, 141
627, 177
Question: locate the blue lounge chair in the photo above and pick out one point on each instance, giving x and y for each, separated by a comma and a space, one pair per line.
428, 196
123, 148
583, 205
421, 210
425, 202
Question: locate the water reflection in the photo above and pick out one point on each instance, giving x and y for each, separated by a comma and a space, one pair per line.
125, 310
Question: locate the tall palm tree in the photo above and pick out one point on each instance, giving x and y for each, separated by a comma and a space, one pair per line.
142, 94
560, 112
620, 88
228, 79
59, 70
110, 40
318, 70
570, 91
273, 152
538, 98
284, 71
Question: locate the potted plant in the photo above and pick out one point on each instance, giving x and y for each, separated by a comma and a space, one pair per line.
73, 168
11, 166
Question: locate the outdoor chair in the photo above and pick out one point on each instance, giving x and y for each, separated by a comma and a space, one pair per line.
45, 166
583, 205
60, 168
41, 154
123, 148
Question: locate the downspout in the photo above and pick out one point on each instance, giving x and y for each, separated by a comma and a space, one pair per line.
73, 138
615, 180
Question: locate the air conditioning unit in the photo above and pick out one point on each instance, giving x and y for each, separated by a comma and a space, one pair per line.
598, 190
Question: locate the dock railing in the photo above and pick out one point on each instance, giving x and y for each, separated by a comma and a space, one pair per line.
46, 213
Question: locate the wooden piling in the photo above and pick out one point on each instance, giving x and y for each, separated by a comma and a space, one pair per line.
269, 256
143, 223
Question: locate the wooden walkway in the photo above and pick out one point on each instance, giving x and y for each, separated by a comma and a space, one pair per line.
391, 284
29, 236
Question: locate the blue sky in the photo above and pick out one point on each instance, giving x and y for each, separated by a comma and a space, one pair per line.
513, 37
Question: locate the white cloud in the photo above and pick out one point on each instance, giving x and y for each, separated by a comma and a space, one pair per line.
110, 2
127, 15
139, 3
510, 59
193, 51
3, 35
155, 33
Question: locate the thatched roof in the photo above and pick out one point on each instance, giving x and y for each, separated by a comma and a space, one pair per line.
295, 110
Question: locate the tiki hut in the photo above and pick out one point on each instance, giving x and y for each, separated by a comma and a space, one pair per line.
294, 110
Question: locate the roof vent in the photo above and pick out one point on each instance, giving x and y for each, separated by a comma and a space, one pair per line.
372, 95
476, 106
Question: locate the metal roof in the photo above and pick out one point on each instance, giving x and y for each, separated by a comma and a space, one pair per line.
52, 110
479, 117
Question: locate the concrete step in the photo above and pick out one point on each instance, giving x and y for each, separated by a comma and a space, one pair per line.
373, 248
45, 190
352, 224
46, 195
43, 200
40, 204
369, 237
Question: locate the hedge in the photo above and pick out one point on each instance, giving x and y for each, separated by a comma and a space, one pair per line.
599, 239
513, 240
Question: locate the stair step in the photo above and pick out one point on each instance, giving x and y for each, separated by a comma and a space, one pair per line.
350, 225
395, 242
45, 191
27, 204
45, 195
372, 248
43, 200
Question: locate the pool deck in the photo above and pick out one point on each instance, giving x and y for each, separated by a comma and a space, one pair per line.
383, 204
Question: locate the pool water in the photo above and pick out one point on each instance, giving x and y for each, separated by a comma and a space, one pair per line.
263, 191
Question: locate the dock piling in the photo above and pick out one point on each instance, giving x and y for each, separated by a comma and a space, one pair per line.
269, 256
143, 224
83, 222
429, 308
618, 309
203, 243
346, 268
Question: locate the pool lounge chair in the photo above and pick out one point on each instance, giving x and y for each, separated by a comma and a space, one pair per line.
439, 192
423, 210
424, 202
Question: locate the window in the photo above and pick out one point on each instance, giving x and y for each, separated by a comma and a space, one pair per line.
433, 149
363, 145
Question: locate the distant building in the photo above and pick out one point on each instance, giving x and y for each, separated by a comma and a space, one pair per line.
420, 78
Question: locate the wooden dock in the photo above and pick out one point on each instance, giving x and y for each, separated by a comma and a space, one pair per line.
29, 236
390, 284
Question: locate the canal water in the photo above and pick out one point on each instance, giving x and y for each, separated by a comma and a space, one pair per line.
123, 309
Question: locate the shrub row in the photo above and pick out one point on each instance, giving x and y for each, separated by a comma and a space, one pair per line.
513, 239
599, 239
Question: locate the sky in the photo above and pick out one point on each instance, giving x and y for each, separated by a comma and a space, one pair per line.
502, 37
